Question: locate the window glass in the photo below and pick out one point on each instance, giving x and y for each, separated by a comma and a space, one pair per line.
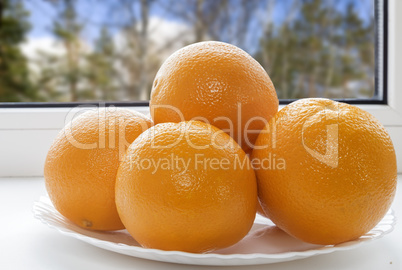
93, 50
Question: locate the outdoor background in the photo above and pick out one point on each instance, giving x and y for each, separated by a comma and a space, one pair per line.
90, 50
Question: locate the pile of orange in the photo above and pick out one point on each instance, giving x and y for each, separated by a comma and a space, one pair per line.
217, 150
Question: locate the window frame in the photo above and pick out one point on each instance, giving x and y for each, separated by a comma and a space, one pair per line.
381, 73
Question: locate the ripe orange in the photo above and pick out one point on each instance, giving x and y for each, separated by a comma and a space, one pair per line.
197, 199
338, 173
216, 83
82, 163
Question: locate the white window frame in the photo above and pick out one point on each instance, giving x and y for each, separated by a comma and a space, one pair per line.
26, 133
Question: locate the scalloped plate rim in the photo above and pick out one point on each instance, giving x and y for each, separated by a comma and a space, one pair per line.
276, 257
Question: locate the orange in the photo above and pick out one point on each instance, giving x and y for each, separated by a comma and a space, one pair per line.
82, 163
330, 171
219, 84
186, 186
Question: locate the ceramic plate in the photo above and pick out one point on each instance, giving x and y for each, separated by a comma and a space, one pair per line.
264, 244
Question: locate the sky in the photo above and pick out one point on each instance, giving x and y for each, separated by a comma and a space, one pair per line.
95, 14
42, 13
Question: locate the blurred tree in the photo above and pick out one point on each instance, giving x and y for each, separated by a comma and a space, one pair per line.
354, 43
133, 59
279, 48
318, 49
101, 71
61, 76
67, 29
224, 20
14, 74
367, 56
47, 77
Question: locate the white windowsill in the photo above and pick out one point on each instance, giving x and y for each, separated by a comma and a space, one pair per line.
26, 243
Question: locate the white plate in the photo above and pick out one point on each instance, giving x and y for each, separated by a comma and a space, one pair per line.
264, 244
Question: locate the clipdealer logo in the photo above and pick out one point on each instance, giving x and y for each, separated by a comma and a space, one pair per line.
331, 156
